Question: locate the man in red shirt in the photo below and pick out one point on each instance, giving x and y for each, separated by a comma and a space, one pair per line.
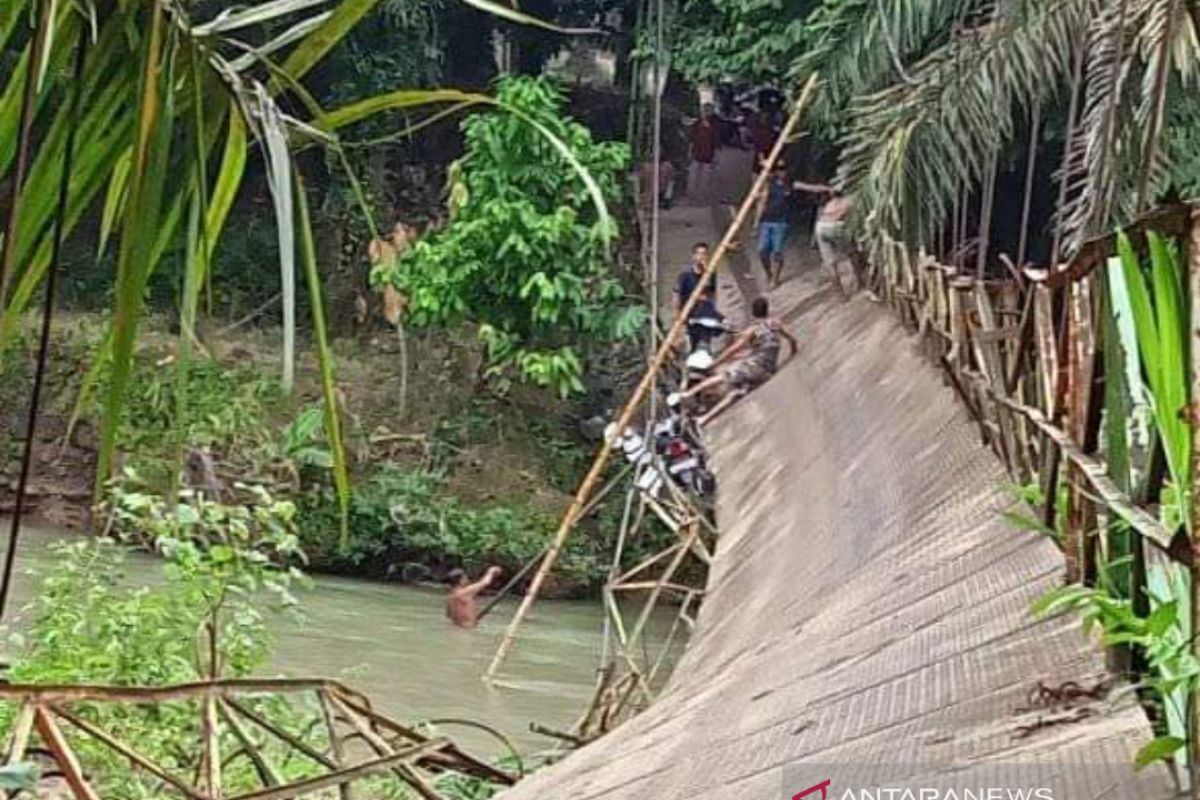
762, 134
705, 137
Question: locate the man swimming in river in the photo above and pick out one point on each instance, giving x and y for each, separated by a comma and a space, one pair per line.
461, 608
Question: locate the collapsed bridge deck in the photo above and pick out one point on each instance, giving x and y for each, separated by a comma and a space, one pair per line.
868, 604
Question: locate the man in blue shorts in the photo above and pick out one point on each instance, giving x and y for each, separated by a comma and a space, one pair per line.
771, 219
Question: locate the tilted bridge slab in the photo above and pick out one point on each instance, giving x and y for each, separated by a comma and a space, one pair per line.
867, 605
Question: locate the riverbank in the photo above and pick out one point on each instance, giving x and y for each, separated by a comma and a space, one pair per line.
393, 642
465, 474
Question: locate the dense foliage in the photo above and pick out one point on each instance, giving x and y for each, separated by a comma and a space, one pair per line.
406, 525
526, 255
925, 98
206, 617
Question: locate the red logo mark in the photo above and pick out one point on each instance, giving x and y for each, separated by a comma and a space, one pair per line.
823, 785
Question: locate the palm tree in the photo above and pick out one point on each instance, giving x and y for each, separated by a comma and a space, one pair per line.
929, 109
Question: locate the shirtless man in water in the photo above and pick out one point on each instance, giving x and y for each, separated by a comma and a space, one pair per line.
460, 605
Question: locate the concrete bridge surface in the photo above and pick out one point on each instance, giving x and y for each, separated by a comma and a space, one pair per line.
868, 605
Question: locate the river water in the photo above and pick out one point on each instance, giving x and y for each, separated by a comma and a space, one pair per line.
394, 643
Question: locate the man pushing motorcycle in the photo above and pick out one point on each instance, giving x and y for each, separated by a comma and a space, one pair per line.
748, 362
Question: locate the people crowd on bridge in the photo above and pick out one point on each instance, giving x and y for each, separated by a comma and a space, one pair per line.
733, 125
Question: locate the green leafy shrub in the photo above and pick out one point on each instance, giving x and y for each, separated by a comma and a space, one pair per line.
526, 254
88, 624
400, 518
228, 412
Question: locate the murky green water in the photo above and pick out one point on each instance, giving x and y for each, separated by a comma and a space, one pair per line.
394, 643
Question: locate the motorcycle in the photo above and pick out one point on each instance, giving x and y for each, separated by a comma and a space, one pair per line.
687, 465
674, 453
703, 331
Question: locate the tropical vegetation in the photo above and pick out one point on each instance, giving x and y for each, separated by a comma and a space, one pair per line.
925, 101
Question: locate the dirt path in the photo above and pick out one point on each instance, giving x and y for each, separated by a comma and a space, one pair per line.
868, 605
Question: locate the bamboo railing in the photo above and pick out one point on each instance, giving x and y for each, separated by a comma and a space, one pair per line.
381, 745
1026, 355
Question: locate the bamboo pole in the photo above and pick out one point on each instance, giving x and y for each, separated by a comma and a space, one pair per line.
21, 729
665, 350
266, 772
508, 587
64, 756
212, 748
661, 583
1035, 128
283, 735
135, 758
665, 649
336, 749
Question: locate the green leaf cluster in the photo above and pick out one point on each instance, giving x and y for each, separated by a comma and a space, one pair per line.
1159, 635
90, 625
526, 255
402, 521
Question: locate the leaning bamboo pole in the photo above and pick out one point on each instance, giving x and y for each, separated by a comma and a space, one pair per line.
665, 349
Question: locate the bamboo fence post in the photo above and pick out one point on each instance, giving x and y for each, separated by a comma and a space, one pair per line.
212, 748
64, 756
931, 319
1035, 127
1192, 250
959, 347
665, 349
1080, 367
21, 730
336, 749
992, 363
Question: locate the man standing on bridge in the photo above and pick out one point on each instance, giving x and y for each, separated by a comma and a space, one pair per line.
771, 220
830, 230
705, 138
685, 284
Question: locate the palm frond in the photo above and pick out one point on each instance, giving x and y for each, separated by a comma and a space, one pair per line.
851, 43
911, 146
1138, 50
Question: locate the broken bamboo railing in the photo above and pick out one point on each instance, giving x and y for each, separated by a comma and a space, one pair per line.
396, 749
665, 350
